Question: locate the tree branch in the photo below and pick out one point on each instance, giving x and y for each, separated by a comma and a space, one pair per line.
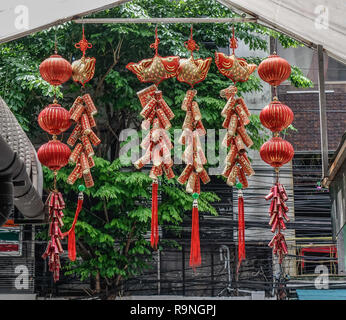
116, 56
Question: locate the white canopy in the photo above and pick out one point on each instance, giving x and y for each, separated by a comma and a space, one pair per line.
312, 22
19, 18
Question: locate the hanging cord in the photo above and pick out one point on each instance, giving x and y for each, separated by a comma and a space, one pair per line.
54, 179
233, 41
55, 41
155, 45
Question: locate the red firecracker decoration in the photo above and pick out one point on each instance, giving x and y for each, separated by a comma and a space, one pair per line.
54, 248
274, 70
278, 214
157, 115
55, 70
82, 112
237, 117
54, 119
276, 116
193, 71
276, 152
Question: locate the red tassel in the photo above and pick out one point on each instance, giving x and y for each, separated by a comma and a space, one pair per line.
241, 229
71, 245
154, 217
195, 251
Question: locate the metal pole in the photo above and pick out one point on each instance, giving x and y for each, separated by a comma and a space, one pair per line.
158, 272
183, 267
323, 112
165, 20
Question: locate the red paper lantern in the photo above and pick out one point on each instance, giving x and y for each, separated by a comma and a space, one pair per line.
56, 70
276, 152
54, 154
276, 116
274, 70
54, 119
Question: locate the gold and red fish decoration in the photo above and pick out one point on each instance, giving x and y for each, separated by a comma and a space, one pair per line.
193, 71
83, 69
236, 69
155, 69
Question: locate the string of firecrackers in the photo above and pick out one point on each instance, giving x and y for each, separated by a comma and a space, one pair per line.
236, 116
157, 144
82, 113
54, 248
278, 213
193, 155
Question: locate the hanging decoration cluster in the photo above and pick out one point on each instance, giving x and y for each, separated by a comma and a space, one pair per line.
157, 115
236, 116
277, 151
54, 154
82, 114
55, 120
193, 71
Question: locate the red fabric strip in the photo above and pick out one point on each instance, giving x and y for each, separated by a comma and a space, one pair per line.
241, 231
195, 251
154, 217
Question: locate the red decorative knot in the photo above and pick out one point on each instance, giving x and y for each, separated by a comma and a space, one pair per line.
54, 154
233, 42
54, 119
83, 44
191, 44
276, 152
274, 70
55, 70
276, 116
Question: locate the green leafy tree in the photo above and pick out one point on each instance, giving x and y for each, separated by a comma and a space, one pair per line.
116, 213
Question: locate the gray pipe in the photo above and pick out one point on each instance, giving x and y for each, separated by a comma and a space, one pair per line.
25, 197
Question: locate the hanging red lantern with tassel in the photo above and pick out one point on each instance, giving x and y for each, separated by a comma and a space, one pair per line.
276, 152
274, 70
276, 116
54, 119
157, 115
55, 70
237, 117
54, 154
193, 71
